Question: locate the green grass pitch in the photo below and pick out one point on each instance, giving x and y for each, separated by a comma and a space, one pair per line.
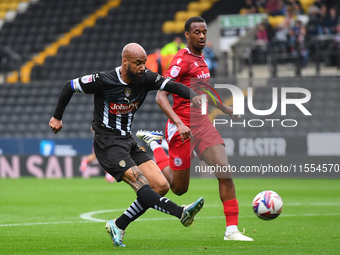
67, 216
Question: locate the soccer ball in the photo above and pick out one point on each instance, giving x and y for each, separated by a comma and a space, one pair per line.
267, 205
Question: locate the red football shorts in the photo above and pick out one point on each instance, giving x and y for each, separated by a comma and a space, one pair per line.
180, 154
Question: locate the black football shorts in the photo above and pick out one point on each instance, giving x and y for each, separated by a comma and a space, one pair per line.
118, 154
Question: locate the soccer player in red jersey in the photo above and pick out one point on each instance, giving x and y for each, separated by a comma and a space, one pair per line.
188, 67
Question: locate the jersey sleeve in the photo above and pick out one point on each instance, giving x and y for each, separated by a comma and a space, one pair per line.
154, 81
88, 84
177, 68
180, 90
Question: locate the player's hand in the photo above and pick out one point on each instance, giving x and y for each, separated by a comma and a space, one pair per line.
183, 131
229, 110
56, 125
196, 101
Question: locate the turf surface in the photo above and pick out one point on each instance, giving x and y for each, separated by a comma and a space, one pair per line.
67, 216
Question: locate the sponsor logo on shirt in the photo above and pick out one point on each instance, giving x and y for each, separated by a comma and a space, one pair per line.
158, 78
123, 108
203, 75
175, 71
95, 77
196, 64
179, 61
86, 79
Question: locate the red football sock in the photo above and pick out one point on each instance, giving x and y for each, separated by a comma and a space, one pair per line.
161, 158
230, 208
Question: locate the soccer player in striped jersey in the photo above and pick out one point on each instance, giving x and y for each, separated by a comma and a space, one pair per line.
118, 94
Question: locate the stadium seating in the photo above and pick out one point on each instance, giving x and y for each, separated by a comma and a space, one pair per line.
99, 47
42, 24
26, 111
27, 108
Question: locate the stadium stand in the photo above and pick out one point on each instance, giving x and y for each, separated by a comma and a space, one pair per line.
99, 47
44, 21
27, 108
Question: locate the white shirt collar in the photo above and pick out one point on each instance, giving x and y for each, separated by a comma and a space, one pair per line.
118, 74
191, 52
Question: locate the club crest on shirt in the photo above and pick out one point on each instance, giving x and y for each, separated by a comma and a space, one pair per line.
127, 92
175, 71
122, 163
178, 161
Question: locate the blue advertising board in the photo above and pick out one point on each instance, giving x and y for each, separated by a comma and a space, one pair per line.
45, 147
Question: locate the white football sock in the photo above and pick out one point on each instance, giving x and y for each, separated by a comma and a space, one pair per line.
154, 145
231, 229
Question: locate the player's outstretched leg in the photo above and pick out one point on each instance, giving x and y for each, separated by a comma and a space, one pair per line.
116, 233
154, 140
150, 199
150, 136
83, 165
190, 211
147, 198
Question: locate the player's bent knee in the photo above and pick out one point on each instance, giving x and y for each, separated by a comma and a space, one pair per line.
179, 191
161, 188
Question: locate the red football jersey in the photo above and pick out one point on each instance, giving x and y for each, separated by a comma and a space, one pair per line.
192, 71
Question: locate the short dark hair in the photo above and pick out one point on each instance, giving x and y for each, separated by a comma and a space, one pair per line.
192, 20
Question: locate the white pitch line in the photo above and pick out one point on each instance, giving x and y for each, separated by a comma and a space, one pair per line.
88, 217
42, 223
165, 218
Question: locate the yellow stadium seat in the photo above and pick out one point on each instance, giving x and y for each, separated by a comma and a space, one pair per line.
173, 27
184, 15
193, 6
4, 6
179, 26
274, 21
198, 6
192, 14
205, 5
2, 14
181, 16
13, 77
168, 27
243, 11
306, 3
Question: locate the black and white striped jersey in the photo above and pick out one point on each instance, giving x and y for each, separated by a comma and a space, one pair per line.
115, 102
